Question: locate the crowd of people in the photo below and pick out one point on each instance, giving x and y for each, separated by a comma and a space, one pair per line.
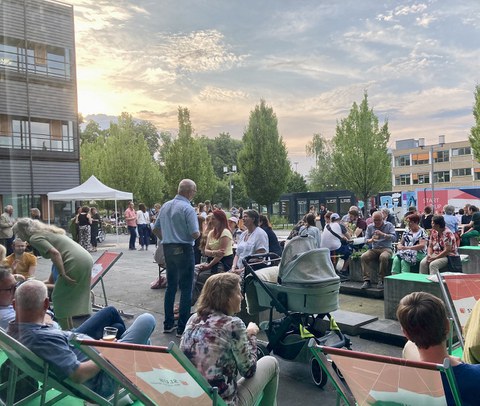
205, 251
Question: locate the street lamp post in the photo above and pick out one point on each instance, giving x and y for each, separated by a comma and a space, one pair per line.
421, 144
230, 173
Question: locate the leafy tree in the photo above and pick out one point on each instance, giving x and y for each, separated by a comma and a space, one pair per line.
360, 155
123, 161
322, 176
91, 132
187, 157
223, 150
166, 141
296, 183
474, 137
263, 162
150, 134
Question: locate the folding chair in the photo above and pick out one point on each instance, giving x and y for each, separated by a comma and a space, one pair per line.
460, 293
380, 380
28, 364
100, 268
163, 375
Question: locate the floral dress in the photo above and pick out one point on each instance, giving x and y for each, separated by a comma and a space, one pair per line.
219, 348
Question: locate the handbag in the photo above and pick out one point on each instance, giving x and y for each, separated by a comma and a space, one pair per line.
343, 241
454, 263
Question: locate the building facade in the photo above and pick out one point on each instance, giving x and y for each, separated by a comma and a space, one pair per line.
39, 146
451, 164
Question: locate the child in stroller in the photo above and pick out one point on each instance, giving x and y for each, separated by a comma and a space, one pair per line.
304, 288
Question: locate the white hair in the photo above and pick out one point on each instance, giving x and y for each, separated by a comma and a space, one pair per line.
31, 295
25, 227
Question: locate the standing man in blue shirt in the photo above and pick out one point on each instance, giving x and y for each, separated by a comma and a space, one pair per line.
177, 227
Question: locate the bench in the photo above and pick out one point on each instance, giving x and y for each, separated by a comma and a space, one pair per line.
397, 286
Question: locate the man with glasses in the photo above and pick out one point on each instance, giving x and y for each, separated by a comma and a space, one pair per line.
177, 227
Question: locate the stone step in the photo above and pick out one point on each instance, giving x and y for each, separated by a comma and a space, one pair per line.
385, 331
354, 288
349, 322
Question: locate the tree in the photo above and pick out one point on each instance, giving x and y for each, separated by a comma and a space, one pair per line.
123, 161
223, 150
263, 162
474, 137
188, 158
361, 160
150, 133
296, 183
322, 176
91, 132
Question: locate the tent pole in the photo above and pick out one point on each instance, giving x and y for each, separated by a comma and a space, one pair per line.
48, 209
116, 219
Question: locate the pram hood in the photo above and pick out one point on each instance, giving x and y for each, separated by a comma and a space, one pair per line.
308, 267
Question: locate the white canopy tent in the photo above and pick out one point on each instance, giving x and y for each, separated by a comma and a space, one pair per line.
90, 189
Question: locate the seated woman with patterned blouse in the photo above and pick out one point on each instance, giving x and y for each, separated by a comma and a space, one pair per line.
221, 347
412, 247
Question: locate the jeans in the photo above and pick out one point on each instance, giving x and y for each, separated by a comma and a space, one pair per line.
140, 331
143, 235
180, 268
107, 317
133, 236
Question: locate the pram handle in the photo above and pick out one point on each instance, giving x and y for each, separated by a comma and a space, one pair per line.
270, 255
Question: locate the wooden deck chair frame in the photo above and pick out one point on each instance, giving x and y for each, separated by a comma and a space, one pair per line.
115, 373
106, 261
26, 362
446, 290
320, 352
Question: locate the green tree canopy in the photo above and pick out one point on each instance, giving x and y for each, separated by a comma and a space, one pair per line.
322, 176
188, 158
296, 183
360, 155
263, 162
474, 137
223, 150
123, 161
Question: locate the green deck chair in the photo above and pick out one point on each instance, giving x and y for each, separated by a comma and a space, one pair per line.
380, 380
163, 375
27, 363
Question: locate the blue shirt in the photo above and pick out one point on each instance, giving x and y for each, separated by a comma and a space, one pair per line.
177, 221
382, 242
467, 377
52, 346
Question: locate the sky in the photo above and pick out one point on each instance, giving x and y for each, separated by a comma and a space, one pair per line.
309, 60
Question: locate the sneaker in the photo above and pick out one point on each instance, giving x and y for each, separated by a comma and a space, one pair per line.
141, 249
366, 285
167, 330
380, 285
344, 276
179, 333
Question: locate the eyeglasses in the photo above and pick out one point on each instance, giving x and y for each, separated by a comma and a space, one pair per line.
11, 288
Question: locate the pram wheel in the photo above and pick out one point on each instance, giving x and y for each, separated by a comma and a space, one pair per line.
318, 376
262, 349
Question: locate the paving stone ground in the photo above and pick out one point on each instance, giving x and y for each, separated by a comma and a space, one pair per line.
128, 288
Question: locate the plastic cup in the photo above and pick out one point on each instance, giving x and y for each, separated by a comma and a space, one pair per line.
110, 333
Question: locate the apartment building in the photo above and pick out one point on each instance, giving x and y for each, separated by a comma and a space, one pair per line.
39, 148
451, 164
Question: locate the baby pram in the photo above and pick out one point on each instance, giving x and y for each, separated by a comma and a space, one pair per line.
304, 288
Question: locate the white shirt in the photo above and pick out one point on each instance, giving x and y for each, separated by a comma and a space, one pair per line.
143, 218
